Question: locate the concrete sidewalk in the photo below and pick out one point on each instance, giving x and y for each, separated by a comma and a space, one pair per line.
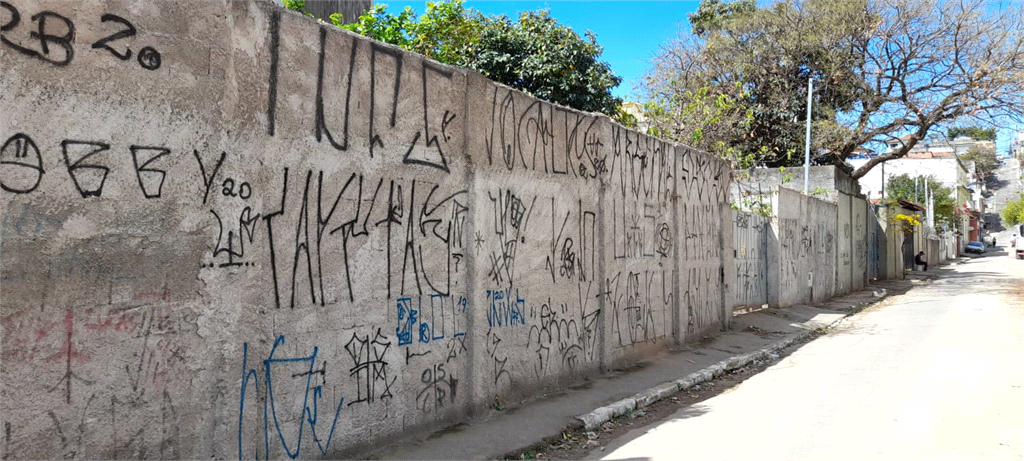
753, 336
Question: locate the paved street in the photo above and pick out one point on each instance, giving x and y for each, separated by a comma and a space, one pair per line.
1004, 186
935, 373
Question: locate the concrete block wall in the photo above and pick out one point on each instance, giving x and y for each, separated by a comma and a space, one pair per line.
805, 260
230, 231
844, 243
825, 181
852, 245
860, 250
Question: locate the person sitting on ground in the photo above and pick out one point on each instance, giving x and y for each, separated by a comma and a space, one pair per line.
919, 259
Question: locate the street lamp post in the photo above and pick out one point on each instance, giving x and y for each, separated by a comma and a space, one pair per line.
807, 137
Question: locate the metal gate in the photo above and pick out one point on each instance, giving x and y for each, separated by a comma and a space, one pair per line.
750, 247
908, 250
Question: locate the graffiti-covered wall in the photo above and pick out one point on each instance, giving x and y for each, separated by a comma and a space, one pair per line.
806, 229
231, 231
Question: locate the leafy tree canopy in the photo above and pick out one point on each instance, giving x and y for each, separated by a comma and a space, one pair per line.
881, 69
985, 160
535, 54
912, 188
1013, 213
973, 132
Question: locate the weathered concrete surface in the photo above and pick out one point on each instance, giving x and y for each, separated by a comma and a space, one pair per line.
850, 243
228, 230
844, 243
806, 250
826, 181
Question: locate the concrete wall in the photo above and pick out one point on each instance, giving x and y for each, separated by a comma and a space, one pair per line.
349, 9
877, 245
806, 255
860, 250
853, 244
892, 262
844, 244
947, 247
232, 231
826, 182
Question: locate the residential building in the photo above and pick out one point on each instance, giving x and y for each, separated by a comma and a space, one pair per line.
939, 159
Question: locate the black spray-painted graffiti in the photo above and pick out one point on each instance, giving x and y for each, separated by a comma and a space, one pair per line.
573, 251
511, 216
371, 367
643, 178
88, 165
390, 92
543, 137
423, 235
702, 296
570, 332
639, 301
701, 228
55, 36
702, 177
439, 389
21, 165
641, 167
231, 245
499, 358
640, 230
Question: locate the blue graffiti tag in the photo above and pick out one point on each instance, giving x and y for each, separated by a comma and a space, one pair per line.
505, 309
436, 321
310, 414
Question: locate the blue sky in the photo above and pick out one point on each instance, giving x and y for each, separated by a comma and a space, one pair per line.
631, 32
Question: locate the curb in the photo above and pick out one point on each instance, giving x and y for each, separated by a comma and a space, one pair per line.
601, 415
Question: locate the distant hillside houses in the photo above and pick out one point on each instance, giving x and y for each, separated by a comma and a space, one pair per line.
1018, 145
938, 147
939, 159
934, 157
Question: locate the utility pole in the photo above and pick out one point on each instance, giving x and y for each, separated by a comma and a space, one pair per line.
807, 137
883, 180
928, 203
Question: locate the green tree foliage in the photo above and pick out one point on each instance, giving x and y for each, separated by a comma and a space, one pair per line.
546, 59
296, 5
1014, 211
702, 120
535, 54
911, 188
447, 32
973, 132
881, 69
985, 160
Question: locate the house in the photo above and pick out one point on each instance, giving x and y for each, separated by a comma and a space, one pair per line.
939, 159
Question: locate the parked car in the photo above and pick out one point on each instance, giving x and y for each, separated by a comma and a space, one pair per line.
975, 247
1018, 248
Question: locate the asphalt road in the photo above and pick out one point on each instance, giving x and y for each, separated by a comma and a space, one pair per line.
936, 373
1004, 187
